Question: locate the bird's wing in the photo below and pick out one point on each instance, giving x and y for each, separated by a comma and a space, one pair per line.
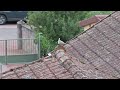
60, 42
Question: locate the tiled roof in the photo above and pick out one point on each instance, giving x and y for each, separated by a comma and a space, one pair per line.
9, 66
60, 66
94, 54
92, 20
100, 45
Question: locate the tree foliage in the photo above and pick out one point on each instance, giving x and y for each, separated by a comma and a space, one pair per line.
58, 24
92, 13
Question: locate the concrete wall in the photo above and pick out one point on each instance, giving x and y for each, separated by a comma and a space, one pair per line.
28, 44
27, 32
19, 58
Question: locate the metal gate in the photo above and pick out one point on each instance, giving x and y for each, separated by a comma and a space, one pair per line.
18, 51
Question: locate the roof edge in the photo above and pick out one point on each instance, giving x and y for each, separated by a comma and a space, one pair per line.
89, 28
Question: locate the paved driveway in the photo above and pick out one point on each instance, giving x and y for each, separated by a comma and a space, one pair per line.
8, 31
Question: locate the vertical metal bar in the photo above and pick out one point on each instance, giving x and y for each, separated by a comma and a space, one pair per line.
12, 45
25, 40
26, 49
3, 47
31, 46
0, 71
39, 46
6, 52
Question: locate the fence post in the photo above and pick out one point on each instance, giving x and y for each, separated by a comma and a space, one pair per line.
19, 27
6, 52
39, 45
0, 71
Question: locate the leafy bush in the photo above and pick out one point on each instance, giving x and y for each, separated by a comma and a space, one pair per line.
92, 13
57, 24
54, 25
46, 44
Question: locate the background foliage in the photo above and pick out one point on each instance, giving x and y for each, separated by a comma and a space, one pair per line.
58, 24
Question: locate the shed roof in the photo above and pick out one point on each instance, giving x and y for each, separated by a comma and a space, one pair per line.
92, 20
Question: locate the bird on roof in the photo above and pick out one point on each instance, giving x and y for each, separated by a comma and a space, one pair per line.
60, 42
49, 54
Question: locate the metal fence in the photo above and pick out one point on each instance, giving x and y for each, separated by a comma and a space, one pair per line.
21, 50
18, 47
